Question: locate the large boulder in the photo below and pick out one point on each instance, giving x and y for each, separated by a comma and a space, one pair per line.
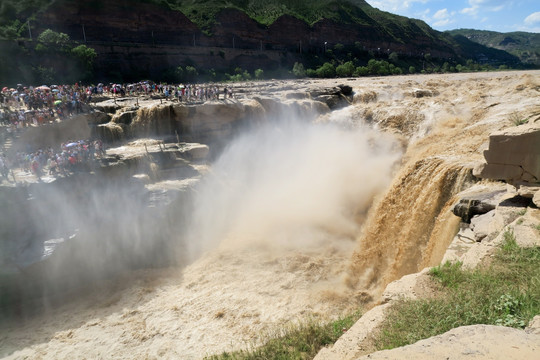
536, 199
513, 155
479, 199
469, 342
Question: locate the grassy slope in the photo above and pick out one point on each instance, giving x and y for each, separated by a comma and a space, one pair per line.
505, 292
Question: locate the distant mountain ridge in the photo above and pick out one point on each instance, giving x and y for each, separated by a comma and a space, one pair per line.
524, 45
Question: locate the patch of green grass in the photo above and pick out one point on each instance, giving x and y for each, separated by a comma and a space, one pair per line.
517, 120
297, 342
504, 292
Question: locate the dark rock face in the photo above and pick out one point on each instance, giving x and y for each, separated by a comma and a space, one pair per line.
105, 25
477, 204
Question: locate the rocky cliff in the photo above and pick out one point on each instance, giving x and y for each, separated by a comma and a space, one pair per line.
152, 29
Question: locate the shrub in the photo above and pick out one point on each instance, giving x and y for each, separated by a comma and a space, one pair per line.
259, 74
327, 70
346, 69
298, 70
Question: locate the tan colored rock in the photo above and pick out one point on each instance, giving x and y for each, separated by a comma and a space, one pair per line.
461, 243
469, 342
195, 151
513, 155
527, 191
498, 172
534, 326
536, 199
524, 228
412, 286
487, 225
348, 346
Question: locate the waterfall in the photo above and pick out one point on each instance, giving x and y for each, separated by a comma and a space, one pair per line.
409, 226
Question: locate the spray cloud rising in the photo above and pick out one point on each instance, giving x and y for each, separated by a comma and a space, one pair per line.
291, 183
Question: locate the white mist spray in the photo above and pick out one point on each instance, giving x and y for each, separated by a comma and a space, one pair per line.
291, 184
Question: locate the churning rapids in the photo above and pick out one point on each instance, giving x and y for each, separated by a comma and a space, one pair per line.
295, 219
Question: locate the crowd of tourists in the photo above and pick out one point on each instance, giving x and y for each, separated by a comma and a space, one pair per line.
69, 157
28, 106
181, 92
23, 106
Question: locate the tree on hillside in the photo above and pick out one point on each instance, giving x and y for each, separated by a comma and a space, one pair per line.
85, 58
54, 39
84, 55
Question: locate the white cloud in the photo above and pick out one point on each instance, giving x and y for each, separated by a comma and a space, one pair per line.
442, 23
442, 18
532, 19
477, 6
470, 11
441, 14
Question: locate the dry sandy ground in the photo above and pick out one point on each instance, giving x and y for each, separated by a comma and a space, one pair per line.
232, 296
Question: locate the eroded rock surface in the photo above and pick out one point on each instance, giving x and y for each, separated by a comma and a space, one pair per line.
469, 342
513, 155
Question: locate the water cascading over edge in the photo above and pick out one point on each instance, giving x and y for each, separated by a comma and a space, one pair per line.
410, 225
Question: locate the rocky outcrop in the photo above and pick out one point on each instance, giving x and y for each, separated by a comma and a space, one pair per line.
213, 120
492, 210
478, 200
469, 342
513, 155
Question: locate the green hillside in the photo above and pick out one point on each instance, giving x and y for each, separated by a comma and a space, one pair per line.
526, 46
14, 13
203, 13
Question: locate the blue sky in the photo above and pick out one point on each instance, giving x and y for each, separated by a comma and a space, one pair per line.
495, 15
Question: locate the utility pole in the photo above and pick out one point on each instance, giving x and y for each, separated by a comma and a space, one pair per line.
84, 33
29, 31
